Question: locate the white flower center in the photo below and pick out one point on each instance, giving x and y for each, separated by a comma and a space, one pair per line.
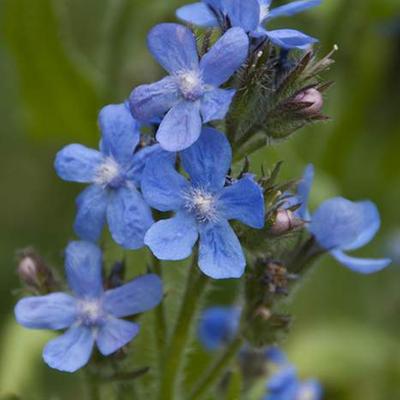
306, 393
90, 312
202, 204
108, 173
191, 85
264, 11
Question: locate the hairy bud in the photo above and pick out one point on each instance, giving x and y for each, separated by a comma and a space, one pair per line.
314, 98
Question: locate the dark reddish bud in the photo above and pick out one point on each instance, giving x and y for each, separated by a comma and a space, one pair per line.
312, 96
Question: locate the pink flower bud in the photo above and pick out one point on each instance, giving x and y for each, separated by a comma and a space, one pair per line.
285, 221
28, 271
311, 96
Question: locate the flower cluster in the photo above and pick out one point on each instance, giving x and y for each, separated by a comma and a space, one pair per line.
178, 190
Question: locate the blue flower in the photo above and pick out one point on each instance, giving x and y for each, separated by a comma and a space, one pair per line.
90, 315
190, 95
340, 225
202, 206
114, 173
285, 385
218, 325
251, 15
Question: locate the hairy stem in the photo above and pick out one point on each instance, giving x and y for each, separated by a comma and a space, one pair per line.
216, 370
195, 286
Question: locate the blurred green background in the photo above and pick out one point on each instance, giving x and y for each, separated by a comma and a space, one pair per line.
61, 60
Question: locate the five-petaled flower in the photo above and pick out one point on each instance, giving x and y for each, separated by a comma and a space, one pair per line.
91, 314
218, 326
114, 173
202, 206
339, 225
190, 95
251, 15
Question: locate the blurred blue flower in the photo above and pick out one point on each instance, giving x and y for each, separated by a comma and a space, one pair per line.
251, 15
339, 225
190, 95
91, 314
218, 325
203, 206
114, 173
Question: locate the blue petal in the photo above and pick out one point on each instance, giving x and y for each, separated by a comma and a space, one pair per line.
220, 253
83, 264
215, 104
243, 201
162, 186
140, 158
225, 57
77, 163
217, 326
174, 47
276, 355
173, 238
361, 265
128, 217
293, 8
208, 161
181, 127
197, 14
120, 132
70, 351
139, 295
53, 311
243, 14
341, 223
150, 101
290, 39
114, 334
310, 389
91, 216
282, 380
303, 192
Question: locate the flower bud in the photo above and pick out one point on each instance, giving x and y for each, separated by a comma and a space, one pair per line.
285, 221
28, 272
312, 96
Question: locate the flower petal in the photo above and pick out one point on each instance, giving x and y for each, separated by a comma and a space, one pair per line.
162, 186
220, 253
303, 192
361, 265
292, 8
91, 216
181, 127
174, 47
70, 351
120, 132
243, 14
151, 101
83, 264
139, 295
225, 57
208, 161
197, 14
173, 238
215, 104
218, 325
53, 311
243, 201
77, 163
311, 389
114, 334
341, 223
128, 217
290, 39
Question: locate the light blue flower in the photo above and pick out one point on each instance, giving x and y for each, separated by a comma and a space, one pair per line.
190, 96
90, 315
340, 225
114, 173
203, 206
251, 15
218, 325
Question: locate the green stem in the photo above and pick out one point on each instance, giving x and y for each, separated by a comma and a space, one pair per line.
195, 286
93, 388
160, 319
216, 370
